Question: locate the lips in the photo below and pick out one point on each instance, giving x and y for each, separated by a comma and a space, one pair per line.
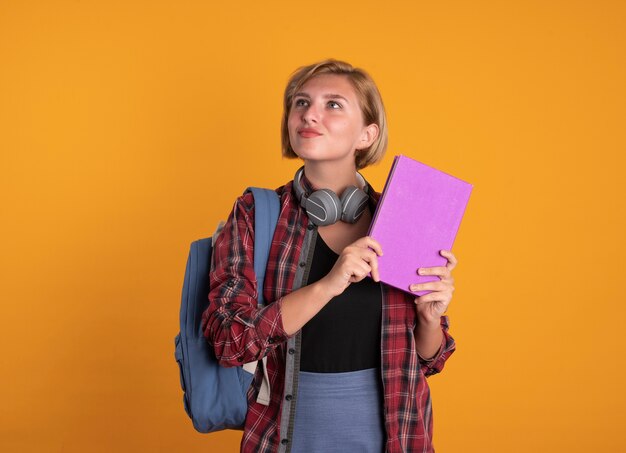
308, 133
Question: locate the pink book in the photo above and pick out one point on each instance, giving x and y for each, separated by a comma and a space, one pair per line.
418, 215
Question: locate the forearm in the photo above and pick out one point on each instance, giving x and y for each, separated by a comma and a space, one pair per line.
301, 305
428, 337
355, 262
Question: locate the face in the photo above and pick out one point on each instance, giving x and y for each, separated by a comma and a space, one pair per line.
326, 123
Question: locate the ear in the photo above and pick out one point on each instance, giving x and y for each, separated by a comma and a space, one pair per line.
368, 135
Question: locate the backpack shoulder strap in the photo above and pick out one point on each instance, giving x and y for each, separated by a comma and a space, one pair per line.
266, 210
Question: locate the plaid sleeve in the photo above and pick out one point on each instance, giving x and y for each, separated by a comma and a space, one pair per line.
239, 331
436, 364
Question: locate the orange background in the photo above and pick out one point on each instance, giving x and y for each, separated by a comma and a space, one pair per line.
127, 129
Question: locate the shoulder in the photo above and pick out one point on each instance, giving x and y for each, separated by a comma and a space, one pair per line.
245, 202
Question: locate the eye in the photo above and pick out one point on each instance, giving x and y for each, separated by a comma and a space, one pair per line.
300, 102
334, 105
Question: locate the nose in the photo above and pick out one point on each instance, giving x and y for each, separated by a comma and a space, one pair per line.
311, 114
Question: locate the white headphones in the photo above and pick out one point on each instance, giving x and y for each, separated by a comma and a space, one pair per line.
324, 207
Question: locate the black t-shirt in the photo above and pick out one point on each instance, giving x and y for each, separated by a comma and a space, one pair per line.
345, 334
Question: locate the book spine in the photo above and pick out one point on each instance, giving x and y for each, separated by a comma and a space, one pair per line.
384, 192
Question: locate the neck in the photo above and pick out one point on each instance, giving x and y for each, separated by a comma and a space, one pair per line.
332, 176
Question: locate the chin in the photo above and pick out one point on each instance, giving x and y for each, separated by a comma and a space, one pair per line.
309, 153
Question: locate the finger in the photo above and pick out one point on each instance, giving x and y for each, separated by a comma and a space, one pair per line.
430, 286
452, 261
360, 271
357, 254
374, 266
437, 296
372, 243
438, 270
371, 258
360, 262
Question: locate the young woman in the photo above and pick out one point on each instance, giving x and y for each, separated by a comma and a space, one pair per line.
347, 356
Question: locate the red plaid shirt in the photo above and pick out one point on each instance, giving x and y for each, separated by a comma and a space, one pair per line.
241, 332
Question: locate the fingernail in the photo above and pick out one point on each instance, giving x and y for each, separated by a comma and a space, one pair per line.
420, 271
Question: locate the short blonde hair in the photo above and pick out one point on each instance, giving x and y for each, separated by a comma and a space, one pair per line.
367, 93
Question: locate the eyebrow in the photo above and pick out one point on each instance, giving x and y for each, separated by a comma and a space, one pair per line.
326, 96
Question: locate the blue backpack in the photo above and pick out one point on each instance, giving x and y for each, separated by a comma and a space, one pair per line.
215, 396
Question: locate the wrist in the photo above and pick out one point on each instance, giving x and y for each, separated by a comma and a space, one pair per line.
428, 322
428, 340
324, 290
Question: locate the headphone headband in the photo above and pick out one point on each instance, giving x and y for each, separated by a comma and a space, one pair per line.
297, 184
324, 207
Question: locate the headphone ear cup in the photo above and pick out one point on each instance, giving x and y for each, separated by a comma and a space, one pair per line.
354, 202
323, 207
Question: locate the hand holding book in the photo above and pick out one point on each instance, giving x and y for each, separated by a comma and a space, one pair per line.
356, 261
431, 306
